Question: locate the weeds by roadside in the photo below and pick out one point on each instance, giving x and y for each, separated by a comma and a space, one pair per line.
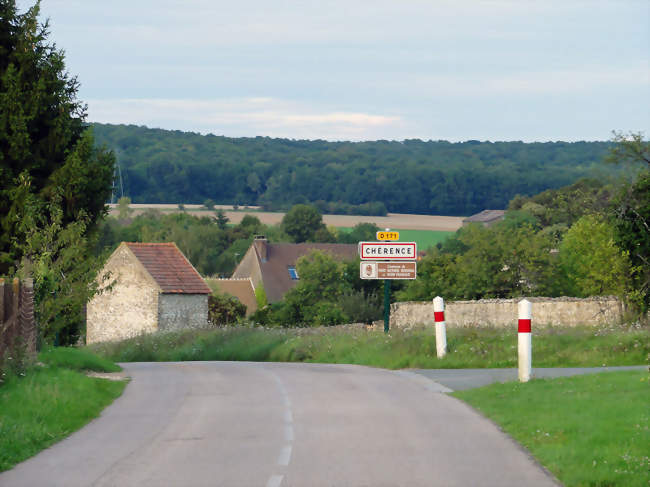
467, 347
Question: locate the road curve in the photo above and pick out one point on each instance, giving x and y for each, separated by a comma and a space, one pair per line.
281, 425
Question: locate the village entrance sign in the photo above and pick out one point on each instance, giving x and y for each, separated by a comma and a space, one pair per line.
387, 260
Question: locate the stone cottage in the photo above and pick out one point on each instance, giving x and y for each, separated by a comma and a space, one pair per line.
154, 287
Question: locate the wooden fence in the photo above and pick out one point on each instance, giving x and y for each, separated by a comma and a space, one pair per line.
17, 323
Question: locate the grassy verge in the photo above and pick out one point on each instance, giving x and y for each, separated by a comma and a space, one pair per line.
51, 401
590, 430
468, 347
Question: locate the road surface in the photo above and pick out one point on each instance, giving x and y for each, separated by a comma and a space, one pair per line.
281, 425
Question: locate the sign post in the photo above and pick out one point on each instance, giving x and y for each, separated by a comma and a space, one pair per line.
388, 260
386, 305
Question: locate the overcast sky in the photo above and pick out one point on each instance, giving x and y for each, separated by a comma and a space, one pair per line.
362, 69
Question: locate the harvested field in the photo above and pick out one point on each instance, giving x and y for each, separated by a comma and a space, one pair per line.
393, 221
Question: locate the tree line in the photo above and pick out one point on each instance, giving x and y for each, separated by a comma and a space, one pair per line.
591, 237
411, 176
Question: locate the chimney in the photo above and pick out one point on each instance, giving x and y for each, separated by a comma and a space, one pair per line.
261, 246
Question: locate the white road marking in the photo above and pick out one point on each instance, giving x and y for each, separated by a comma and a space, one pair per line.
285, 456
275, 481
288, 417
288, 432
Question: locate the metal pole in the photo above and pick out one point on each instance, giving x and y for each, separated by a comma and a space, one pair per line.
386, 305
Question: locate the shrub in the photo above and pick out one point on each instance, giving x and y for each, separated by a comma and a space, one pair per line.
224, 309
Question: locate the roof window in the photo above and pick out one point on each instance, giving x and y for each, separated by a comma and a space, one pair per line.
293, 273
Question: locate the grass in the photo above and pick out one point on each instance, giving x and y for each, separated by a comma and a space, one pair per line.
590, 430
51, 401
467, 347
424, 238
76, 359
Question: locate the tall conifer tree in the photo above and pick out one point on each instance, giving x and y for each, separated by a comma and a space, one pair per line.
46, 149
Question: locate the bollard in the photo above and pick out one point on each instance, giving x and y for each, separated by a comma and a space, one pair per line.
441, 329
525, 345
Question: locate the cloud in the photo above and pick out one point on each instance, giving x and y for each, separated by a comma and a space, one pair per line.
247, 117
577, 80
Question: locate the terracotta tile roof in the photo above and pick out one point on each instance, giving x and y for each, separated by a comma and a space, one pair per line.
169, 268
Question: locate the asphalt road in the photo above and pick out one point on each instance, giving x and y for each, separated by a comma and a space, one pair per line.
281, 425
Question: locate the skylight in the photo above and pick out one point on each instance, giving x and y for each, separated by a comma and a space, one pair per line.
293, 273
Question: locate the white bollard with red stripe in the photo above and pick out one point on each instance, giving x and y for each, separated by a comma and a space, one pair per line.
441, 329
525, 344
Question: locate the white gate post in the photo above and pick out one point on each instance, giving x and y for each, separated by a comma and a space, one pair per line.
525, 345
441, 329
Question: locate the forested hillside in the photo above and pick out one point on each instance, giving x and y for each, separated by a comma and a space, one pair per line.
413, 176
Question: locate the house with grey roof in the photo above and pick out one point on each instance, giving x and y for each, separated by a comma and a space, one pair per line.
152, 286
273, 266
486, 217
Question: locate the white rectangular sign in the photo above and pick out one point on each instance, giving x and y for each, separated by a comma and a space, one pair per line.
388, 251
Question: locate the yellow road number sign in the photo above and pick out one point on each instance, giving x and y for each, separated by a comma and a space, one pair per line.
387, 235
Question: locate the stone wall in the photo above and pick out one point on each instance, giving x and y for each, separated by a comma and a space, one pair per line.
179, 311
503, 312
130, 308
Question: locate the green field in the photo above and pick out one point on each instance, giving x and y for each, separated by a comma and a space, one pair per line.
424, 238
590, 430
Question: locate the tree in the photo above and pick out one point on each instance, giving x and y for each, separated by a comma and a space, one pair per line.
631, 211
360, 233
123, 207
222, 220
594, 265
53, 181
302, 222
250, 223
629, 149
632, 224
253, 182
58, 256
44, 141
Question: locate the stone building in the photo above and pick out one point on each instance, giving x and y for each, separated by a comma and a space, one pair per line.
153, 287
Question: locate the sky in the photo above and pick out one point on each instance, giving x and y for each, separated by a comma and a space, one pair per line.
530, 70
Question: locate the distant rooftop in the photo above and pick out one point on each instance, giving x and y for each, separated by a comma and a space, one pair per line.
486, 216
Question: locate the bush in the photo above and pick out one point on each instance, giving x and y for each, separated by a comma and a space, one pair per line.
224, 309
360, 308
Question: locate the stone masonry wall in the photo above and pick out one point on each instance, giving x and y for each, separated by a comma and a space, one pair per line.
178, 311
130, 308
503, 312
